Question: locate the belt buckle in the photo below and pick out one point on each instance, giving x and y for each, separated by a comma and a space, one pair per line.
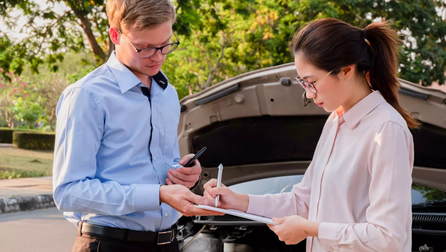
165, 237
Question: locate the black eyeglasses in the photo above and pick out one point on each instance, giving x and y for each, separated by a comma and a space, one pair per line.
150, 51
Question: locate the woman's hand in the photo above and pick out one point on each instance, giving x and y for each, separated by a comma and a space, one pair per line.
293, 229
228, 199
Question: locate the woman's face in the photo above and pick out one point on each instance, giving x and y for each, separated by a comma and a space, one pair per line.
329, 89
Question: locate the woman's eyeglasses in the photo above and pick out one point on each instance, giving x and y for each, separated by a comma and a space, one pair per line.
310, 85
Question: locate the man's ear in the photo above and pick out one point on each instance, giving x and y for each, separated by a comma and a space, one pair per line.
347, 72
114, 35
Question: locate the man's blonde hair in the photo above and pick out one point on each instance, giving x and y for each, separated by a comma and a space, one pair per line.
141, 14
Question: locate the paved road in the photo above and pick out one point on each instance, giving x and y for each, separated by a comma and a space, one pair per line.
26, 186
43, 230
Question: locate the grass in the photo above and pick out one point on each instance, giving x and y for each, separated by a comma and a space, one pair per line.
20, 163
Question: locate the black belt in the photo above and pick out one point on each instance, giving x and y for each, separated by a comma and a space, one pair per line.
160, 238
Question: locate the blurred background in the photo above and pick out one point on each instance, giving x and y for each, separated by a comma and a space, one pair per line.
45, 45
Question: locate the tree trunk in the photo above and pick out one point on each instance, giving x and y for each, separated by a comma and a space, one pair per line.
95, 49
217, 65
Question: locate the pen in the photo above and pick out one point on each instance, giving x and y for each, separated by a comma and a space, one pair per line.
191, 161
220, 173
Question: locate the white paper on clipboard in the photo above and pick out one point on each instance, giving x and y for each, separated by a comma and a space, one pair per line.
239, 214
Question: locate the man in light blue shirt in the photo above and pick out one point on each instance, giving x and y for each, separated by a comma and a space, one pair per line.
116, 140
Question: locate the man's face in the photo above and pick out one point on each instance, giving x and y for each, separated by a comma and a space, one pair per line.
156, 36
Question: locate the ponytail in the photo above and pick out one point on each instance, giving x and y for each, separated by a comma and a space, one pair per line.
383, 43
331, 44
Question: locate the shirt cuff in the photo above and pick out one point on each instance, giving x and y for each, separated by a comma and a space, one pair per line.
256, 205
147, 197
328, 233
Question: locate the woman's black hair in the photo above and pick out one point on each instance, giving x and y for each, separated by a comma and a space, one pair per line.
332, 44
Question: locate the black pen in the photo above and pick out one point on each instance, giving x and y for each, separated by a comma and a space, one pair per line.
191, 161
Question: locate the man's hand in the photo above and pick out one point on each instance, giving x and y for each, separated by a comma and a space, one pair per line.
182, 200
186, 176
293, 229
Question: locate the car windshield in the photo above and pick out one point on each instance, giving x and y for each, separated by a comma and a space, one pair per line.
420, 194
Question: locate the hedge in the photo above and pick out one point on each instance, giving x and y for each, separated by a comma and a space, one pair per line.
6, 134
34, 140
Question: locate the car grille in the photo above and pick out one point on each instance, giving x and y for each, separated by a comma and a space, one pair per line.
431, 221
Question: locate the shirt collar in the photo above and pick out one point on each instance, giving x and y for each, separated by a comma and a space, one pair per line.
155, 87
362, 108
126, 79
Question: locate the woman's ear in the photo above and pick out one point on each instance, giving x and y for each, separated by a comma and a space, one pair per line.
114, 35
347, 72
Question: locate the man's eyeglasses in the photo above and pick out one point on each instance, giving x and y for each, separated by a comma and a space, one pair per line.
150, 51
310, 85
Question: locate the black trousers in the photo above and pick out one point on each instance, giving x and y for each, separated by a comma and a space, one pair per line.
88, 243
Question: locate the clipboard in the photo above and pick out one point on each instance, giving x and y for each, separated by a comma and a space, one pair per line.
239, 214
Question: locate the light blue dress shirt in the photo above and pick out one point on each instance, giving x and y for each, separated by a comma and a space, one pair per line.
104, 170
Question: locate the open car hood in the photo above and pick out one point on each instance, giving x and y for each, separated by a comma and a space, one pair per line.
257, 126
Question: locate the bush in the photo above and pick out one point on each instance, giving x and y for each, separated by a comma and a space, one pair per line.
34, 140
6, 134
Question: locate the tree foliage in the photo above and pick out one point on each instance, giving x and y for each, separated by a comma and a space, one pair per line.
13, 90
27, 110
52, 34
221, 39
33, 98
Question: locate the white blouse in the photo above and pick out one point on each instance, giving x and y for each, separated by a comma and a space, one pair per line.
358, 184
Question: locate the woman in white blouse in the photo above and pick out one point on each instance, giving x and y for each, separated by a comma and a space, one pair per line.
356, 193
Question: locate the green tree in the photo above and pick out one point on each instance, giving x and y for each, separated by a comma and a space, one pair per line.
6, 105
11, 87
48, 86
51, 34
28, 111
220, 39
232, 37
21, 94
419, 22
82, 23
49, 92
